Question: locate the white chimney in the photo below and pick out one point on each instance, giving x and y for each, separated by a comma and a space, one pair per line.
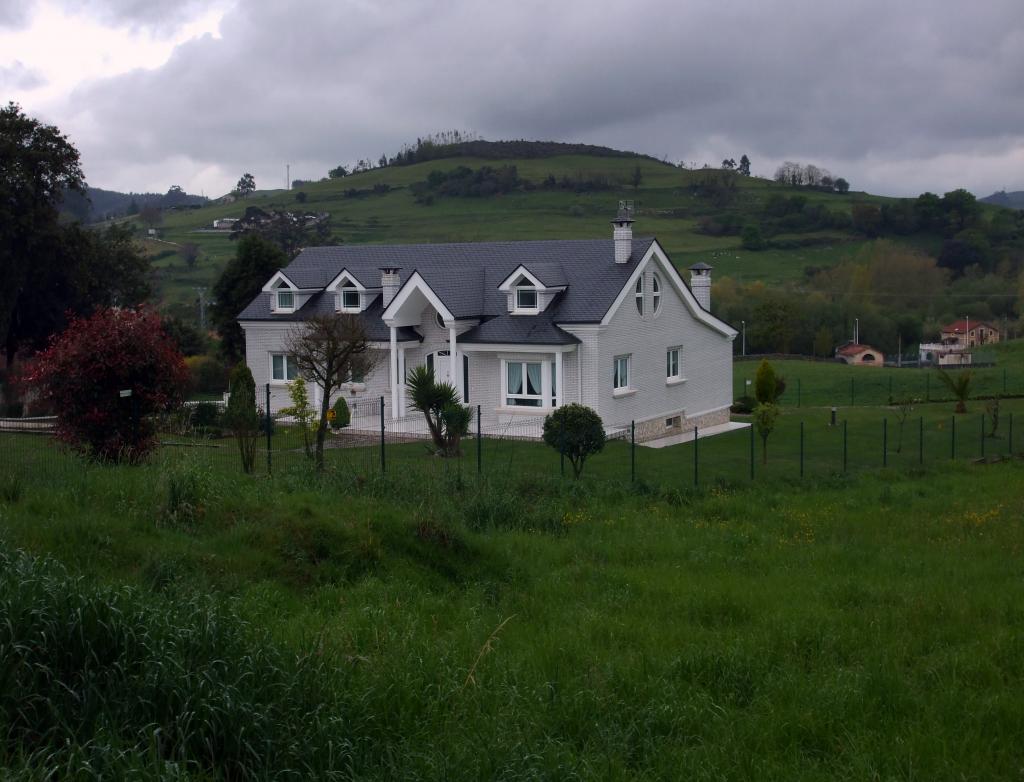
623, 232
390, 282
700, 284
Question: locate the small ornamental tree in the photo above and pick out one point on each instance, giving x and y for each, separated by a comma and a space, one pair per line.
576, 431
959, 386
303, 413
447, 420
765, 416
85, 369
342, 415
768, 386
242, 417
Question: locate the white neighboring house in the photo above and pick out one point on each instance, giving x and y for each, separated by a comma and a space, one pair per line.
518, 327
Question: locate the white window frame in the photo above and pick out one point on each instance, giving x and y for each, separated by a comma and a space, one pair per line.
286, 360
348, 289
655, 294
620, 384
278, 306
677, 376
545, 386
526, 309
638, 295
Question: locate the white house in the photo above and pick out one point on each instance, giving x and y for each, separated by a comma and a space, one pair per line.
518, 327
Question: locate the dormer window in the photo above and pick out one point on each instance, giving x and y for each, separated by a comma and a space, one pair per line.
526, 300
348, 298
285, 300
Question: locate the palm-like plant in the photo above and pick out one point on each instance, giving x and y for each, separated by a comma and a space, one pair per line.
447, 420
959, 386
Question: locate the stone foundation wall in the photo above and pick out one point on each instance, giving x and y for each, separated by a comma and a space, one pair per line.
653, 428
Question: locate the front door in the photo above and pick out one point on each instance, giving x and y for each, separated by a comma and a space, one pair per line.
440, 362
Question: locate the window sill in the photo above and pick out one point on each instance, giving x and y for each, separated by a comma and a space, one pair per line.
675, 381
532, 411
620, 392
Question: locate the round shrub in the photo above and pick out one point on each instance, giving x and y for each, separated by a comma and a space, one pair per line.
575, 431
342, 416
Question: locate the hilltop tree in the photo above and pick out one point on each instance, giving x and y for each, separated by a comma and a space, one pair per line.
841, 185
254, 263
744, 166
246, 185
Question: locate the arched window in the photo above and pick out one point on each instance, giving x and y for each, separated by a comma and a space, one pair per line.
440, 321
640, 295
655, 293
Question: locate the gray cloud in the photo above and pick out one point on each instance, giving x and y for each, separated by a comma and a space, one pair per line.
17, 77
161, 17
861, 88
14, 14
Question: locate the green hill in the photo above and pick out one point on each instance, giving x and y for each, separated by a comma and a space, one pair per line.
749, 228
671, 203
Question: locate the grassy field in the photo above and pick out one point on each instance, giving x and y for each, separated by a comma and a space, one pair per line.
429, 626
828, 383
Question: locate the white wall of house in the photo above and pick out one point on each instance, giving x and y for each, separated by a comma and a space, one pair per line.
705, 391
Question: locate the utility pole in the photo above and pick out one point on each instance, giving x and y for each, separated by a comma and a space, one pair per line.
744, 325
202, 307
287, 176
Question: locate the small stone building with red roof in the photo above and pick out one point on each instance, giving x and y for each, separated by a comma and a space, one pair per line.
860, 355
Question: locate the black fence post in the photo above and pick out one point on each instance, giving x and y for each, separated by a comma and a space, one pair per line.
885, 442
952, 438
751, 451
801, 449
845, 422
696, 459
269, 425
479, 444
383, 461
920, 440
632, 451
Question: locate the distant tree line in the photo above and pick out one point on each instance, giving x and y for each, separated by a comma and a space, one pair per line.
486, 181
811, 176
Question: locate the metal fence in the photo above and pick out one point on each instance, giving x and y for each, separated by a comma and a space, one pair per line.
804, 444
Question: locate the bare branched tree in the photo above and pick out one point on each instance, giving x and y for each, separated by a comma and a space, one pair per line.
330, 350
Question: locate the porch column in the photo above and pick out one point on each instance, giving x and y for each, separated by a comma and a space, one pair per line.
401, 384
453, 361
394, 372
559, 380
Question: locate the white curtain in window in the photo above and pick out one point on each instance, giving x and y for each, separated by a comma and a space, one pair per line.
533, 385
515, 378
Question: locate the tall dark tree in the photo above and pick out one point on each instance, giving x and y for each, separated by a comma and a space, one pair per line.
254, 263
744, 166
37, 165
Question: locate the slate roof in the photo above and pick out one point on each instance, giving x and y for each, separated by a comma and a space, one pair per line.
466, 278
323, 304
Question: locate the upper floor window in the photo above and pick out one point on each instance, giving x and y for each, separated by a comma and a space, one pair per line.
285, 300
640, 295
526, 300
655, 293
348, 299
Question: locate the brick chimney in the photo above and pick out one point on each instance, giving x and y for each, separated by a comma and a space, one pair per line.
623, 232
390, 282
700, 284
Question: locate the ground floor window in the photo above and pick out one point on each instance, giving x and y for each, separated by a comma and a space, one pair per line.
620, 373
530, 383
283, 367
672, 364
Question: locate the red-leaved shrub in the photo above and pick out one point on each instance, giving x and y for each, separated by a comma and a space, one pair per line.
84, 370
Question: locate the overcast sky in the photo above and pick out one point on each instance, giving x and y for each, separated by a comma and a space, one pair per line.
897, 97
